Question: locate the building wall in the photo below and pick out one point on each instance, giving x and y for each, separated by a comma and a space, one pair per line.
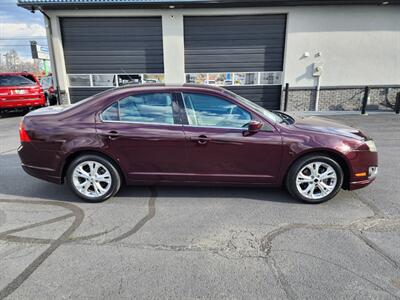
341, 98
359, 46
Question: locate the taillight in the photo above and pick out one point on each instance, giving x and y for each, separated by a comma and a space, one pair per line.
23, 135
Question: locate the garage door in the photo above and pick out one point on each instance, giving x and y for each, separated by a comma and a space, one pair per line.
242, 53
104, 52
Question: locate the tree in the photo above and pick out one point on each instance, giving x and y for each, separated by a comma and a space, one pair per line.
11, 62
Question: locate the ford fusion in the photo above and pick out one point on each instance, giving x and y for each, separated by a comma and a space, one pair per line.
191, 135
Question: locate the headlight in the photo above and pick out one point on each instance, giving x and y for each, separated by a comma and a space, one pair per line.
371, 145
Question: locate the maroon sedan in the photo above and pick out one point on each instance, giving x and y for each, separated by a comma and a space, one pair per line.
154, 134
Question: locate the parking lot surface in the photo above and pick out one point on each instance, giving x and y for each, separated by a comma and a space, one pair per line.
190, 243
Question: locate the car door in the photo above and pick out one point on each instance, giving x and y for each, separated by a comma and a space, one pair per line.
219, 148
144, 133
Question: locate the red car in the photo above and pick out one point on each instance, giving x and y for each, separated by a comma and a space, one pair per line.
20, 90
191, 135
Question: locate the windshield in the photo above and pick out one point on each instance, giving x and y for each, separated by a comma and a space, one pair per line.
265, 112
15, 80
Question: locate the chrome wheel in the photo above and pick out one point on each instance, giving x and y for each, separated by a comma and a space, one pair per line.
316, 180
92, 179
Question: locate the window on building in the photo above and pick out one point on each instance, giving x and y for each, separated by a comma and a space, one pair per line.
79, 80
206, 110
129, 79
104, 80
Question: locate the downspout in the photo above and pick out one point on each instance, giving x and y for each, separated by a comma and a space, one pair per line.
317, 93
50, 42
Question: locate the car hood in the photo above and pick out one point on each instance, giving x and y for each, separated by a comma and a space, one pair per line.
318, 124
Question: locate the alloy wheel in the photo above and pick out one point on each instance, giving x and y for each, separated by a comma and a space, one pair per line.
92, 179
316, 180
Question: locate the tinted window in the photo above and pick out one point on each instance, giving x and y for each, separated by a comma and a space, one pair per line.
146, 108
111, 113
15, 80
206, 110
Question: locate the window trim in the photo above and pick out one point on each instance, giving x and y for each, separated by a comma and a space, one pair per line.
216, 96
174, 114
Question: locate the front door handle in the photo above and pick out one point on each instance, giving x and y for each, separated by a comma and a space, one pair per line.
201, 139
112, 135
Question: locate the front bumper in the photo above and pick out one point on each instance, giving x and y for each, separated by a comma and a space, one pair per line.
360, 184
362, 168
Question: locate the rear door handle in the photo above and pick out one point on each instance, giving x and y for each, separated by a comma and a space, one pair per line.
201, 139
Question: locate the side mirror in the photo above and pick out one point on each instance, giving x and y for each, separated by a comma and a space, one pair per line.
254, 127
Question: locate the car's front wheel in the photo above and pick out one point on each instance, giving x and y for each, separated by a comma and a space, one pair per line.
93, 178
314, 179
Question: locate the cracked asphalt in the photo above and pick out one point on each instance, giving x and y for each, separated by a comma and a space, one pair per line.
201, 243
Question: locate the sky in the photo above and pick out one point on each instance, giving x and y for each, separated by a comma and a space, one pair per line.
18, 27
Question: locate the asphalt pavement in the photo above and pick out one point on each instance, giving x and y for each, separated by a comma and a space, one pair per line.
201, 243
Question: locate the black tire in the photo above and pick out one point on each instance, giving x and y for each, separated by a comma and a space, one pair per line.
115, 177
297, 167
53, 100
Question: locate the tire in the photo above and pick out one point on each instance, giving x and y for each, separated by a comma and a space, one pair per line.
99, 190
53, 100
304, 184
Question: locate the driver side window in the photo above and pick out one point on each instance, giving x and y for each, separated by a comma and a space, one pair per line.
210, 111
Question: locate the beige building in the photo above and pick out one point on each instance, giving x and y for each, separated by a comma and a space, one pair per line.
327, 51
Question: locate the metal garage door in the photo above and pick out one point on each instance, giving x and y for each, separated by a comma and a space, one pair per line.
97, 49
247, 51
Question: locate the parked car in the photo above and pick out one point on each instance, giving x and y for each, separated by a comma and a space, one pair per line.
191, 135
47, 83
20, 90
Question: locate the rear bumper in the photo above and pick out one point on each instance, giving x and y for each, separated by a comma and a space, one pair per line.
40, 164
16, 103
41, 173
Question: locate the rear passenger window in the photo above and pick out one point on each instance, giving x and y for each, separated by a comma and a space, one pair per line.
145, 108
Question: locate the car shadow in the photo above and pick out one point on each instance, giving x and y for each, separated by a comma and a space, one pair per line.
48, 191
12, 114
16, 183
220, 192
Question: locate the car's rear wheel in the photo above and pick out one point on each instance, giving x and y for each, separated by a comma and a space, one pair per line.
93, 178
314, 179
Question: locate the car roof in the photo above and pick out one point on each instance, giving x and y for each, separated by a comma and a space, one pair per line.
151, 86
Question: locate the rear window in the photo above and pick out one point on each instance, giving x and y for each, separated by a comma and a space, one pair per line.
15, 80
46, 82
